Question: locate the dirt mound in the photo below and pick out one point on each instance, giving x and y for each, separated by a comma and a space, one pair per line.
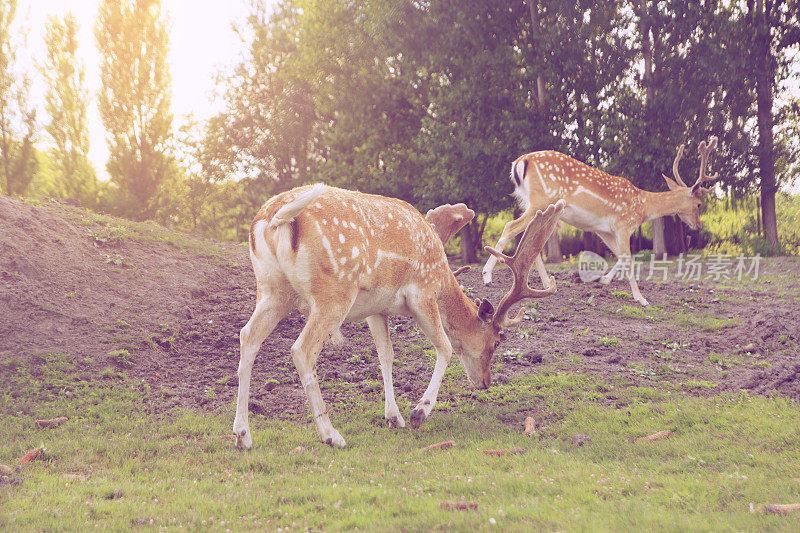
167, 308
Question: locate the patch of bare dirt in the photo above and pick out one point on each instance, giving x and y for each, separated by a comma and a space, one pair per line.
177, 306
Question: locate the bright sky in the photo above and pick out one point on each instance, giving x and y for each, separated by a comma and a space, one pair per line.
201, 43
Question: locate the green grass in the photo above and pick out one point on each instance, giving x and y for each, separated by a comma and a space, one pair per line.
117, 464
708, 323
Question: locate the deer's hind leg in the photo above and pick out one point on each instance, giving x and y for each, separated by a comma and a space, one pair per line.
274, 302
324, 319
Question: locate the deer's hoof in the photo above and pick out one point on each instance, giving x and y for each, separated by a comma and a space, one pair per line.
417, 418
396, 422
335, 440
243, 440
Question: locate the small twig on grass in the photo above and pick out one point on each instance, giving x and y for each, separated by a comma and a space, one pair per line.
503, 451
530, 426
439, 446
51, 422
459, 505
780, 508
31, 455
655, 436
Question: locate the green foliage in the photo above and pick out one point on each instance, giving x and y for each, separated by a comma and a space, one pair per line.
608, 342
66, 102
121, 357
110, 235
18, 161
732, 227
134, 101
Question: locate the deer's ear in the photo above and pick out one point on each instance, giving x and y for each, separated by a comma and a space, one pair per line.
485, 310
671, 183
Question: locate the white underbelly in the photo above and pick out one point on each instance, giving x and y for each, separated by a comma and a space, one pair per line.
377, 302
586, 220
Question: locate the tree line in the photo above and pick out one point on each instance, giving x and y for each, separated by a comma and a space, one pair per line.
424, 100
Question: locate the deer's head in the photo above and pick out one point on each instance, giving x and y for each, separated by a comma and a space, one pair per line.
476, 338
692, 197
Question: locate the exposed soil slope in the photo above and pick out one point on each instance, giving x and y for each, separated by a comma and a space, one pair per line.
76, 283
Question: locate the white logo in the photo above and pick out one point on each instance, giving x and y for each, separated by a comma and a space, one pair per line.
591, 266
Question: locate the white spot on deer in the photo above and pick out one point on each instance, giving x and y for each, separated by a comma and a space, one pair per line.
355, 252
326, 244
343, 260
335, 220
341, 238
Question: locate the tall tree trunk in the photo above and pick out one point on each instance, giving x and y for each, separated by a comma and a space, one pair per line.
766, 156
659, 245
552, 247
533, 7
468, 244
646, 29
674, 235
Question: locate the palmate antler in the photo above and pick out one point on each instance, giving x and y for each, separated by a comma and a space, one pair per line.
534, 238
447, 220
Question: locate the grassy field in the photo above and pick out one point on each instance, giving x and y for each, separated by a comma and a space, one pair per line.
119, 464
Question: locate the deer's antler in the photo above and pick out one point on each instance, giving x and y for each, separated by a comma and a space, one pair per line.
461, 270
448, 219
705, 151
675, 167
534, 238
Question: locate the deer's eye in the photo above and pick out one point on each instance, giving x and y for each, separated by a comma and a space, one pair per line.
496, 344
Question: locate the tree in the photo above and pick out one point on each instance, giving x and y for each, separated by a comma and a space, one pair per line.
475, 123
263, 135
18, 160
66, 102
772, 27
134, 102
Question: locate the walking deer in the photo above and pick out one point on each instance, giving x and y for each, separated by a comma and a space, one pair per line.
342, 256
607, 205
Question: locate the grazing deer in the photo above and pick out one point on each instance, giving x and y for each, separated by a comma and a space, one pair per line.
607, 205
342, 256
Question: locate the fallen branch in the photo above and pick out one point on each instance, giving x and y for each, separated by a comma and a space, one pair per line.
530, 426
780, 508
655, 436
439, 446
51, 422
459, 505
31, 455
503, 451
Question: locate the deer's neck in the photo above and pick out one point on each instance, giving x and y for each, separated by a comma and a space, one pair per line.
459, 314
660, 204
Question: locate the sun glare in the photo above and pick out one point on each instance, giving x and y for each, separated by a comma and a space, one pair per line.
202, 42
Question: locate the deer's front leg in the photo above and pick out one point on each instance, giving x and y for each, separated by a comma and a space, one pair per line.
270, 309
379, 327
427, 315
625, 249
